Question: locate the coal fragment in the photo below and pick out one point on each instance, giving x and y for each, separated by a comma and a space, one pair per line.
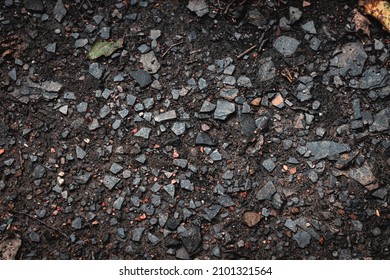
142, 77
192, 239
203, 138
266, 192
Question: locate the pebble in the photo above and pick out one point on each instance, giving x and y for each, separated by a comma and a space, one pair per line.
251, 219
59, 11
150, 62
295, 14
144, 132
170, 189
224, 109
291, 225
267, 70
381, 121
302, 238
118, 203
212, 211
216, 156
154, 240
182, 253
39, 171
268, 164
137, 234
266, 192
286, 45
350, 60
115, 168
192, 238
121, 233
83, 178
77, 223
95, 70
178, 128
80, 153
94, 124
278, 101
51, 47
244, 81
199, 7
323, 149
170, 115
203, 138
64, 109
226, 201
110, 181
142, 77
262, 122
309, 27
187, 185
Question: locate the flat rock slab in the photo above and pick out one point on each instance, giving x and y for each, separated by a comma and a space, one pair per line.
286, 45
349, 61
110, 181
170, 115
323, 149
266, 192
224, 109
363, 174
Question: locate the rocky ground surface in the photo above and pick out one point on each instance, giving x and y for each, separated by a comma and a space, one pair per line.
218, 131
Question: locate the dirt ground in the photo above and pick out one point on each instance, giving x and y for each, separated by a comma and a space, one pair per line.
69, 190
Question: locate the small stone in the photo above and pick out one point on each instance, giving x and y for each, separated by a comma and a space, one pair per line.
187, 185
244, 81
39, 171
141, 158
192, 238
302, 238
295, 14
313, 176
202, 84
153, 239
121, 233
267, 70
34, 5
251, 219
51, 47
216, 251
137, 234
64, 109
381, 121
110, 181
266, 192
286, 45
229, 80
320, 131
182, 253
262, 122
83, 178
34, 237
216, 156
80, 153
76, 223
363, 175
170, 189
203, 138
380, 193
144, 132
59, 11
200, 7
182, 163
150, 62
118, 203
226, 201
94, 124
376, 231
95, 70
309, 27
278, 101
291, 225
178, 128
268, 164
170, 115
142, 77
212, 211
224, 109
207, 107
116, 168
105, 32
323, 149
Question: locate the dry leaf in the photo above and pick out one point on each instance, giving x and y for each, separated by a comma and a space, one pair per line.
380, 10
361, 22
105, 48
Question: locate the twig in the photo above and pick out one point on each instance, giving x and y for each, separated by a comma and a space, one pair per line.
241, 55
41, 222
172, 46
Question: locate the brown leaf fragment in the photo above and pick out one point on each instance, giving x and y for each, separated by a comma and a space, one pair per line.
380, 10
361, 22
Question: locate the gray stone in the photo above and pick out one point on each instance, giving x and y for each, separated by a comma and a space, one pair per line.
357, 225
12, 74
284, 24
229, 80
216, 251
98, 18
95, 70
150, 62
363, 175
291, 225
202, 84
199, 7
105, 32
313, 176
187, 185
83, 178
141, 158
51, 47
180, 162
34, 237
142, 77
224, 109
64, 109
170, 189
79, 43
380, 193
286, 45
115, 168
302, 238
262, 122
228, 175
212, 211
178, 128
244, 81
323, 149
225, 201
192, 238
170, 115
59, 11
269, 164
315, 43
137, 234
77, 223
144, 132
153, 239
350, 60
372, 78
295, 14
203, 138
34, 5
39, 171
121, 233
278, 201
207, 107
94, 124
216, 155
309, 27
182, 253
381, 121
256, 18
49, 86
116, 124
41, 213
110, 181
266, 192
80, 153
118, 203
104, 111
248, 125
357, 114
267, 70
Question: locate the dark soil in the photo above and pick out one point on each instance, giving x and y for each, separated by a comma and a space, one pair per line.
343, 218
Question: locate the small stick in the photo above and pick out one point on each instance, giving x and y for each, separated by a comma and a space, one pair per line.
241, 55
172, 46
41, 222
